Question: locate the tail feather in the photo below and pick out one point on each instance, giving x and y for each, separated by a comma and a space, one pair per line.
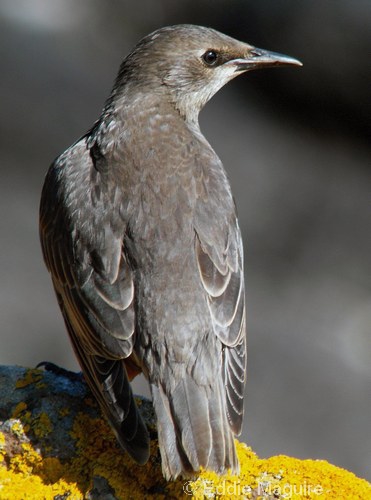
173, 458
190, 411
220, 449
193, 429
223, 453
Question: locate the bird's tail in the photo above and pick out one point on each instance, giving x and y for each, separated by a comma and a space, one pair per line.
193, 429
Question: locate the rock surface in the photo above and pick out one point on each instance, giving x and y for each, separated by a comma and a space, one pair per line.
55, 445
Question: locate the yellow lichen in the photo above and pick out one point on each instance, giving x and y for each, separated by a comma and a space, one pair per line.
97, 454
17, 428
32, 376
42, 425
51, 470
20, 408
14, 486
280, 477
41, 385
21, 413
2, 447
29, 476
63, 412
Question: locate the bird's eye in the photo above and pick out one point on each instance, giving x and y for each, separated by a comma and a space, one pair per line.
210, 57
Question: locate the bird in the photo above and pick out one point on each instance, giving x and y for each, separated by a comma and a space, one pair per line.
139, 232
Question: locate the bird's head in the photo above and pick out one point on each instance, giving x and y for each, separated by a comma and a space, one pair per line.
191, 63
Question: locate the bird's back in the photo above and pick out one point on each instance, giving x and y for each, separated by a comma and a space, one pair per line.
152, 203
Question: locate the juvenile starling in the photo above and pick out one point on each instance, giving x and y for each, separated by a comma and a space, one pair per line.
139, 232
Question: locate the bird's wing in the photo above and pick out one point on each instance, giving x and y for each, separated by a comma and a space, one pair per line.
82, 245
219, 255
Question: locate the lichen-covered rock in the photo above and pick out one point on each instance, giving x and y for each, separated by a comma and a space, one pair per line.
55, 445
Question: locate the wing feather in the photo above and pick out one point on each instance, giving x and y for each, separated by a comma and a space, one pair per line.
221, 273
83, 250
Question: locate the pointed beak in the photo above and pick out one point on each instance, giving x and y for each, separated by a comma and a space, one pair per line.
260, 58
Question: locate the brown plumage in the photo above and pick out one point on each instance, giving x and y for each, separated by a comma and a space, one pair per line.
139, 232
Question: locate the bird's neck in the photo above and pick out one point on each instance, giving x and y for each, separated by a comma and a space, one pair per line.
123, 104
187, 112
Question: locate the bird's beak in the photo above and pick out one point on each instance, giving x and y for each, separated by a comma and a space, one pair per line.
260, 58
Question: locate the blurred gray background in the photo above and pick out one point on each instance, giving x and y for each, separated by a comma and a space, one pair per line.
296, 145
